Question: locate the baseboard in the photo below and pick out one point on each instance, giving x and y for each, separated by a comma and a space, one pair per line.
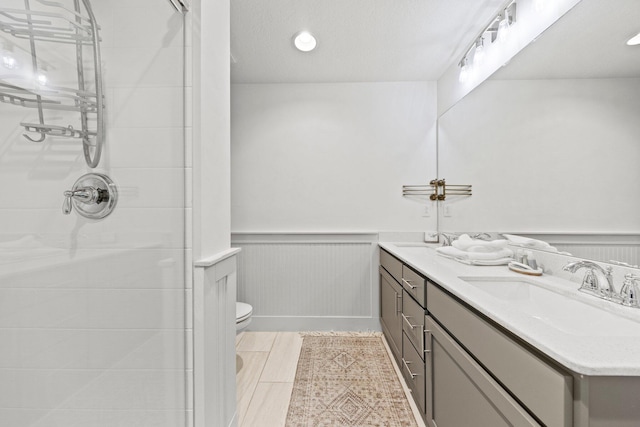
294, 323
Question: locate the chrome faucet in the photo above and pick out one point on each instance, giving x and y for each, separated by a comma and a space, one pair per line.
448, 238
481, 236
630, 291
597, 280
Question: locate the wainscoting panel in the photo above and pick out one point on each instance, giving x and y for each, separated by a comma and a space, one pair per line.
602, 252
304, 281
214, 330
602, 247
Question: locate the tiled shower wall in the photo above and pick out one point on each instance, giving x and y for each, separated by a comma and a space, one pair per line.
92, 317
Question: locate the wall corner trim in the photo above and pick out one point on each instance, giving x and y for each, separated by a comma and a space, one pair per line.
214, 259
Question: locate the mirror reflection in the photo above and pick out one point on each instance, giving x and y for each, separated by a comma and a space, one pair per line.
551, 142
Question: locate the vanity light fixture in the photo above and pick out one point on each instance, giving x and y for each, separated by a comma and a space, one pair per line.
508, 18
503, 28
42, 77
478, 55
9, 60
464, 70
634, 41
304, 41
498, 28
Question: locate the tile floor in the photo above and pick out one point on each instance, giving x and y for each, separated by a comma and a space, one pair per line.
266, 370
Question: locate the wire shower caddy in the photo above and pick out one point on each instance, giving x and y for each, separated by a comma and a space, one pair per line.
62, 25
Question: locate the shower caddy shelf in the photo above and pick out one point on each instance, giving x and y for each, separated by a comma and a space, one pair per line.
67, 26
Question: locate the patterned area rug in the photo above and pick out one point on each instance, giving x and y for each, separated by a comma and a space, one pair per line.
347, 381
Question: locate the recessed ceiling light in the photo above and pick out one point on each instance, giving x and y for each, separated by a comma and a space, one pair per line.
304, 41
635, 40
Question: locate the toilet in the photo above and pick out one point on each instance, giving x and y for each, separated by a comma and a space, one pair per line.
243, 315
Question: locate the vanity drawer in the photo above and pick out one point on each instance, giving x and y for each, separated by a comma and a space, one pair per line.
414, 284
542, 387
391, 264
413, 372
413, 323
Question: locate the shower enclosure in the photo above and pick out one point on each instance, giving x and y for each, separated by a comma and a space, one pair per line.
93, 318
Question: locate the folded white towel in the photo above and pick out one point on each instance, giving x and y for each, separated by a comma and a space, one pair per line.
465, 243
480, 248
527, 241
453, 252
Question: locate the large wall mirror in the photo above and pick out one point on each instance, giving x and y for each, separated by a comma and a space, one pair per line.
551, 141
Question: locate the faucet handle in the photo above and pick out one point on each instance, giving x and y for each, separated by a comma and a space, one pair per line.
448, 238
66, 205
88, 195
481, 236
630, 292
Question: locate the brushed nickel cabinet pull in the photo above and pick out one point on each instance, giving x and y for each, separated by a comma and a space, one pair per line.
409, 284
406, 365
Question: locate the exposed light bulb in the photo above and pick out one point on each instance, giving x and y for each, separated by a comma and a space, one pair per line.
634, 41
42, 78
503, 28
478, 56
304, 41
9, 61
465, 71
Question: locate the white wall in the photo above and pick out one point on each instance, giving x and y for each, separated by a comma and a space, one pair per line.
211, 127
545, 156
214, 290
92, 313
331, 157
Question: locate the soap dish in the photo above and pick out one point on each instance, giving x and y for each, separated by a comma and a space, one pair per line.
524, 269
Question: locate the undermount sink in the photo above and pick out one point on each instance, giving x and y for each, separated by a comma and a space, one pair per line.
562, 312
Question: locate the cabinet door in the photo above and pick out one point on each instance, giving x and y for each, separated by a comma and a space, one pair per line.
413, 322
413, 371
415, 285
460, 392
390, 312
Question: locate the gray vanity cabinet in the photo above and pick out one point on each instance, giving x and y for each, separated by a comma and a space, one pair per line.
391, 312
403, 302
465, 369
476, 359
461, 392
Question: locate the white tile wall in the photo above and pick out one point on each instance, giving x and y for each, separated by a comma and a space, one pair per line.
137, 188
124, 228
145, 147
93, 313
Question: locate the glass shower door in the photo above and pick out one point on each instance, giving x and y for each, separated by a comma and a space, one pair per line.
92, 312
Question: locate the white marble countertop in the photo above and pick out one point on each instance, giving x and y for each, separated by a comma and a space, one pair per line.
589, 336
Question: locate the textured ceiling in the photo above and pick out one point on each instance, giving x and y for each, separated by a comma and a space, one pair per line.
358, 40
588, 42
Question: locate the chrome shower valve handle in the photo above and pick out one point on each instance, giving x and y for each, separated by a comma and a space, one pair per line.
93, 196
87, 195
